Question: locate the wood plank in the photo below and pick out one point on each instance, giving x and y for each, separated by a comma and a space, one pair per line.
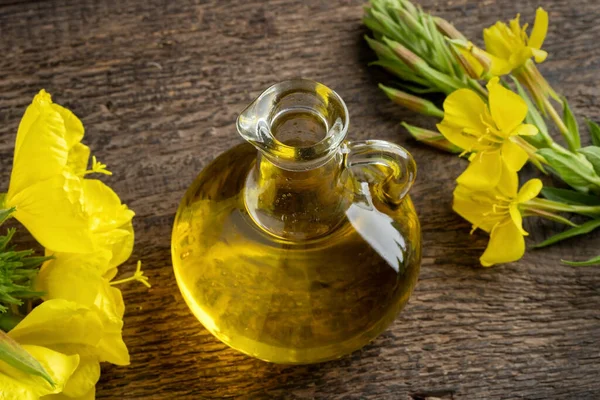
158, 85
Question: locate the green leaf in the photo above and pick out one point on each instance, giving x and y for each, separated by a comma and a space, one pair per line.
591, 261
17, 270
572, 168
580, 230
5, 214
594, 132
542, 139
573, 139
568, 196
13, 354
592, 153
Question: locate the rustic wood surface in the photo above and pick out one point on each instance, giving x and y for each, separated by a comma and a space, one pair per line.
158, 85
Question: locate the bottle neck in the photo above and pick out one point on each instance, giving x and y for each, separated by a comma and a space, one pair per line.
298, 205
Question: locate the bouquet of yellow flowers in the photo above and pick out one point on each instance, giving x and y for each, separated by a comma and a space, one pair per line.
60, 320
495, 112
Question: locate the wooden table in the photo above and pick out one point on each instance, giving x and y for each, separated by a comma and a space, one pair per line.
158, 85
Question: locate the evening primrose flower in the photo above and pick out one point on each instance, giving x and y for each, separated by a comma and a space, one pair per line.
497, 212
46, 183
110, 225
79, 331
511, 47
16, 384
491, 133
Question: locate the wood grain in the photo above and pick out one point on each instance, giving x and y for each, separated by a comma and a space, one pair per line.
158, 85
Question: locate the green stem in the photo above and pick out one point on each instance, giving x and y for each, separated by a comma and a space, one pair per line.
531, 151
562, 128
538, 204
475, 85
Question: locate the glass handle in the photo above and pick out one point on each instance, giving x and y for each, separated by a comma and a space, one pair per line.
389, 169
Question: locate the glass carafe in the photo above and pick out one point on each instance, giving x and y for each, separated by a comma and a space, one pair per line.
298, 246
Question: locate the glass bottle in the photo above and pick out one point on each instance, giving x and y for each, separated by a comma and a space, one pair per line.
306, 249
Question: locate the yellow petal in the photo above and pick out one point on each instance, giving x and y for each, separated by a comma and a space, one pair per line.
483, 172
499, 66
78, 159
104, 206
91, 395
70, 279
463, 109
517, 218
117, 298
539, 55
17, 385
540, 28
121, 244
515, 26
73, 126
455, 136
472, 61
525, 130
509, 182
513, 155
506, 245
520, 56
52, 211
58, 322
494, 41
112, 349
65, 278
40, 148
508, 109
473, 211
529, 190
83, 379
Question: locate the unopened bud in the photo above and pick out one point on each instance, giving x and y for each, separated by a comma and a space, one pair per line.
447, 29
412, 102
481, 56
431, 138
409, 20
470, 64
410, 59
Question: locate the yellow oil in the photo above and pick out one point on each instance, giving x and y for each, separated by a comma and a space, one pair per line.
295, 300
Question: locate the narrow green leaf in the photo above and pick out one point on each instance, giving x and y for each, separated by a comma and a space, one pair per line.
550, 216
568, 196
592, 153
580, 230
5, 214
573, 140
13, 354
594, 132
591, 261
575, 171
542, 139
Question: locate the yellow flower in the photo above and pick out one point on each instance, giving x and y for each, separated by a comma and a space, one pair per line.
46, 183
111, 229
496, 211
491, 132
83, 332
510, 47
15, 384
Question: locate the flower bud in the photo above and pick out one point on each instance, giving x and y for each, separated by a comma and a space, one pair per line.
412, 102
447, 29
431, 138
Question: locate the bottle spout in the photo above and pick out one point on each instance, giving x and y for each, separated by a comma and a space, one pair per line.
253, 123
299, 123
